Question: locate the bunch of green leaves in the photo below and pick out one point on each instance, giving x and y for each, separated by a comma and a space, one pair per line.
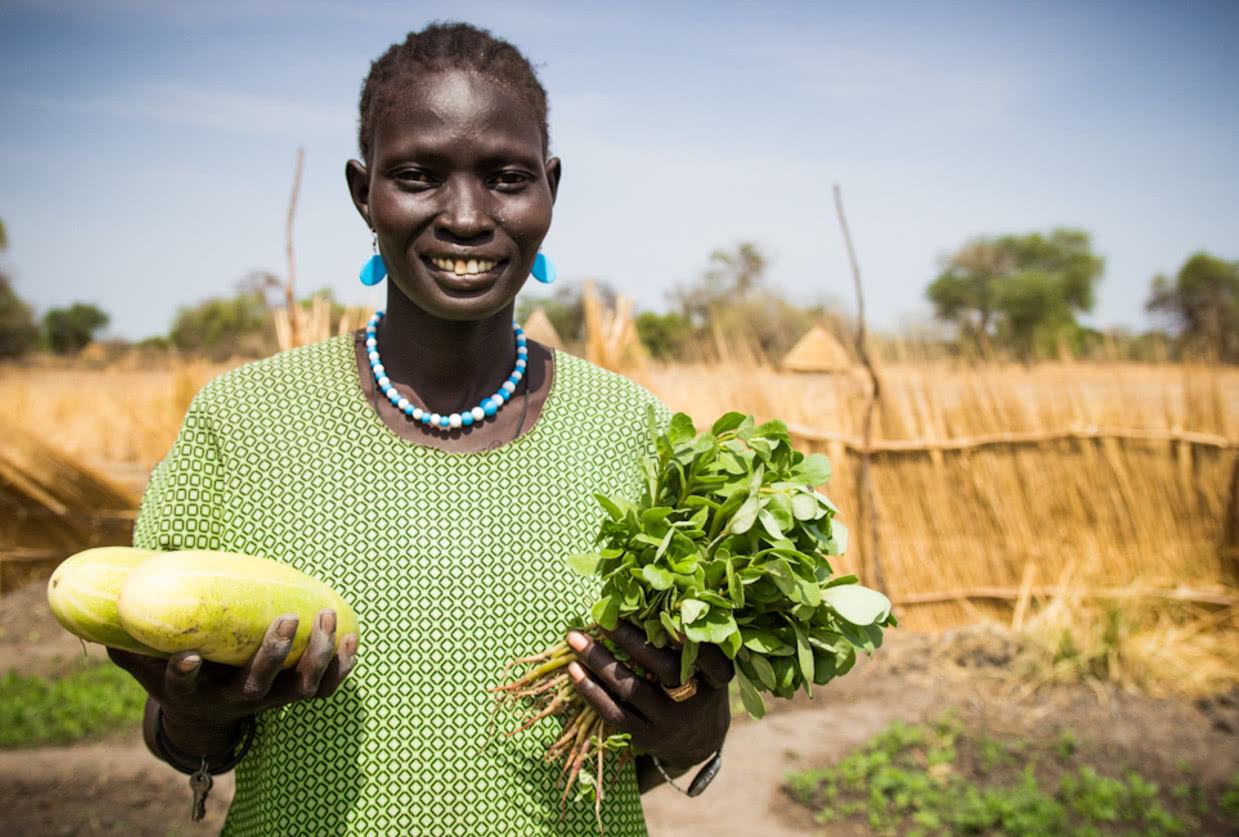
728, 545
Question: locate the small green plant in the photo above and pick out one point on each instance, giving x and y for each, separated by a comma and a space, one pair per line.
912, 779
90, 700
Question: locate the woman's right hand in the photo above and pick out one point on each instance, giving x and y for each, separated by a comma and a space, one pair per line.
202, 699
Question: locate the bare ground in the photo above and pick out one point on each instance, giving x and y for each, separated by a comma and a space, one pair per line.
113, 787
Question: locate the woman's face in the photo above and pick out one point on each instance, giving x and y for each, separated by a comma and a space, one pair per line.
458, 192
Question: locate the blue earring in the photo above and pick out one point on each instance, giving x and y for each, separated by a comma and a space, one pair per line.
543, 269
373, 271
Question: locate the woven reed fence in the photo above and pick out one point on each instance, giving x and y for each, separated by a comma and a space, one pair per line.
994, 483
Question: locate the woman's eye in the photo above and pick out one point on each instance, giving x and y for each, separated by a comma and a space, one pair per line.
510, 179
413, 176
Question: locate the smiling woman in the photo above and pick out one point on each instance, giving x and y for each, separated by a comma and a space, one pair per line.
448, 536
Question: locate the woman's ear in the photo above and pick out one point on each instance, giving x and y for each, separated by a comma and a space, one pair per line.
553, 170
358, 178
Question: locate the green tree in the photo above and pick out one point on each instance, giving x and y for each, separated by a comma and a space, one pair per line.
1023, 290
18, 332
1203, 302
225, 326
68, 330
729, 277
664, 335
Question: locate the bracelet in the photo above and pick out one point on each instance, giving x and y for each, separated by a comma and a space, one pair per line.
703, 778
169, 753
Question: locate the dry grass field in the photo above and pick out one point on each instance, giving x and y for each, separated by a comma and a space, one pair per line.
1092, 498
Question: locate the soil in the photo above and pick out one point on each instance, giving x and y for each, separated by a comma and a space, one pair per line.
114, 787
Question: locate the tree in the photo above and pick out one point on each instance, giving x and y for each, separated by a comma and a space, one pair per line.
1023, 290
18, 332
729, 276
1203, 302
68, 330
664, 335
225, 326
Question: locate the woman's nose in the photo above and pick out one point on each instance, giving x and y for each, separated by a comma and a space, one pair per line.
464, 217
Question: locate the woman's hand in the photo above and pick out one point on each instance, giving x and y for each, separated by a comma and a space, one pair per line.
680, 734
201, 700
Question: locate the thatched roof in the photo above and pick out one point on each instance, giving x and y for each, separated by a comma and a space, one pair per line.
818, 351
51, 506
538, 327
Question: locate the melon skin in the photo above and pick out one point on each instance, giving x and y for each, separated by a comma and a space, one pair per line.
220, 604
83, 590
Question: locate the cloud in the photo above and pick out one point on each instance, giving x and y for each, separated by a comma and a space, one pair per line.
219, 110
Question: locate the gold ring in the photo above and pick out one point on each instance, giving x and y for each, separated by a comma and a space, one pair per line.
682, 693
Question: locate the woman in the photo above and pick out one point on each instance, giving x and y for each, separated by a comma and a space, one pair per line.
394, 465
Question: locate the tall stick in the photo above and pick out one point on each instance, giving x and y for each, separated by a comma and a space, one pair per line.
290, 295
868, 512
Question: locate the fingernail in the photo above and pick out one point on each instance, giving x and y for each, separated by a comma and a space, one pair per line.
187, 664
350, 644
328, 621
578, 641
288, 627
576, 672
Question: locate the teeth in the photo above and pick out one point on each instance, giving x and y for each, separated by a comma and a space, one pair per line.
461, 267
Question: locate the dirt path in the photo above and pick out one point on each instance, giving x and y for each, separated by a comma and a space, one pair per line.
114, 787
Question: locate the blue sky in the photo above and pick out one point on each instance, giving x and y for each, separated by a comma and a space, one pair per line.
147, 147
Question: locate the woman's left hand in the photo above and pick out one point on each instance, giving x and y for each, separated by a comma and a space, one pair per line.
680, 734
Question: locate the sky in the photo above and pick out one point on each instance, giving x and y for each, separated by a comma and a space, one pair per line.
147, 147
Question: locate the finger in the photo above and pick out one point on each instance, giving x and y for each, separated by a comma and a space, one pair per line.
663, 663
340, 667
608, 710
313, 663
258, 674
617, 678
181, 673
714, 666
145, 669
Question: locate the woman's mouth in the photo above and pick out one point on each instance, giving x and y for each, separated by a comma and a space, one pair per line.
464, 274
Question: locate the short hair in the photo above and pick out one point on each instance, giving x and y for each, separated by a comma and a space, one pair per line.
448, 46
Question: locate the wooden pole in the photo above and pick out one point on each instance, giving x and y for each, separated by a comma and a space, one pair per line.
868, 509
290, 295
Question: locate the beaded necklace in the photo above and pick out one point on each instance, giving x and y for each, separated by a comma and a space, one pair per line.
489, 405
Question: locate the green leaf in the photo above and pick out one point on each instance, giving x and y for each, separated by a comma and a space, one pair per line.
753, 704
715, 627
804, 655
693, 609
770, 525
681, 429
731, 645
813, 470
734, 588
655, 633
606, 612
745, 516
763, 670
616, 510
805, 506
584, 563
856, 604
725, 422
673, 628
765, 642
688, 656
658, 578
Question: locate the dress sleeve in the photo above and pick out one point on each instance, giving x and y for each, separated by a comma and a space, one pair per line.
182, 507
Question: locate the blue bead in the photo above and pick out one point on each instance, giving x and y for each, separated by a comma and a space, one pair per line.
489, 408
408, 411
445, 421
466, 419
425, 418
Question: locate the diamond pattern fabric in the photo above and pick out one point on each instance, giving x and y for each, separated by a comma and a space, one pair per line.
454, 563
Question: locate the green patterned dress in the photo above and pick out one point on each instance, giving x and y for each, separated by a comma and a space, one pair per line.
454, 563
